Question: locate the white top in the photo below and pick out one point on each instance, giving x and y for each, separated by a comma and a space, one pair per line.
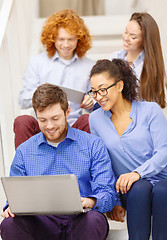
72, 74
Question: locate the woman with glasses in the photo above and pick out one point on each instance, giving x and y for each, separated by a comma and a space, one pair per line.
135, 133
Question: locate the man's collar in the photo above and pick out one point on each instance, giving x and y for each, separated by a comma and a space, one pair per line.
70, 133
57, 57
41, 139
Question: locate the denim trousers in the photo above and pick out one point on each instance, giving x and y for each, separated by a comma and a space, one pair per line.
146, 206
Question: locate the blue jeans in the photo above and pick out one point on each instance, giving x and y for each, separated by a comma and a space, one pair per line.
143, 201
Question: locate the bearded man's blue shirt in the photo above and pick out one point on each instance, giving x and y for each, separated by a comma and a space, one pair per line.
80, 153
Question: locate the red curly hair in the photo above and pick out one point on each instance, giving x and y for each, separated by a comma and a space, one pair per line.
73, 24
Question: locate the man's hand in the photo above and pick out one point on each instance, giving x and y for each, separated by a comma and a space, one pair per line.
88, 202
7, 213
117, 213
126, 180
87, 102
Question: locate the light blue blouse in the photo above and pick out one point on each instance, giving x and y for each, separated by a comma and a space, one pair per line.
143, 145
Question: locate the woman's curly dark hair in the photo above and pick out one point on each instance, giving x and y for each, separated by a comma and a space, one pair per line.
119, 70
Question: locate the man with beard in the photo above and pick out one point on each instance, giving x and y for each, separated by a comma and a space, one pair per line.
61, 149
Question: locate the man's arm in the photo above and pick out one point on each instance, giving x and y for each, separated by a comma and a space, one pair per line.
17, 169
17, 166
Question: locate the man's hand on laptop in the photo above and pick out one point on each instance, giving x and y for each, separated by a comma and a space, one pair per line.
88, 202
7, 213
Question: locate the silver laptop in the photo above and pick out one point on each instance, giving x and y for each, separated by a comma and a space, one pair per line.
44, 195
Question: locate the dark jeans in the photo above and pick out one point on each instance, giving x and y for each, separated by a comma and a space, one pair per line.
85, 226
143, 201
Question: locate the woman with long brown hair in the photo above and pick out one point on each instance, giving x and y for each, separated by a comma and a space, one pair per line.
142, 49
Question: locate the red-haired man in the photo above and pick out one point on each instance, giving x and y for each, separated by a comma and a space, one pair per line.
66, 39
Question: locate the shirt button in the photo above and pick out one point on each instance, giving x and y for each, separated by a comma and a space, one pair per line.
58, 152
59, 170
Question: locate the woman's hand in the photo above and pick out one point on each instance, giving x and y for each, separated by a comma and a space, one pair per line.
7, 213
126, 180
88, 202
87, 102
117, 213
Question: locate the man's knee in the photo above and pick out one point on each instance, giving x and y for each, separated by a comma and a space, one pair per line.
23, 120
82, 123
93, 217
97, 221
94, 225
6, 225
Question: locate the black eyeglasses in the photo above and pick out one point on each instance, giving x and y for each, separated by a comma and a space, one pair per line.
102, 91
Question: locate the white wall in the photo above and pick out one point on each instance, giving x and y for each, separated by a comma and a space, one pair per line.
16, 18
14, 52
114, 7
1, 3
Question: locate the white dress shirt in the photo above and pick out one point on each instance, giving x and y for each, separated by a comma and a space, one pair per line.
72, 74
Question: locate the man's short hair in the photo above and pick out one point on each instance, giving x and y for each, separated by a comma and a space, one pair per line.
49, 94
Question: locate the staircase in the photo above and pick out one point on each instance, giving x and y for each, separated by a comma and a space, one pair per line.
18, 25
